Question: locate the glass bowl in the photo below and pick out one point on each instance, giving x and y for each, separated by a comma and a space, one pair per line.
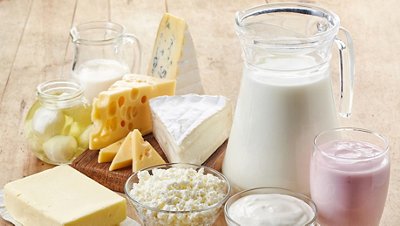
153, 216
269, 190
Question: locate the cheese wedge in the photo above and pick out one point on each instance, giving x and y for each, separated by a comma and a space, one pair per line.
143, 154
191, 127
136, 152
63, 196
124, 107
108, 153
123, 158
174, 56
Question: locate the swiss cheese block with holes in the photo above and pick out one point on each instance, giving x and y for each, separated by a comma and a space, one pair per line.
124, 107
143, 154
174, 56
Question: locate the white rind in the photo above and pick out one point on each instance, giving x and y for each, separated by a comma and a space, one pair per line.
188, 79
190, 128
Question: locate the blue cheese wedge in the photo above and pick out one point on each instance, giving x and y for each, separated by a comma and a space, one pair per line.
189, 128
174, 56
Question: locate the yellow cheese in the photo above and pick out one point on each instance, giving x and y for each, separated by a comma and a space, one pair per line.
143, 154
63, 196
108, 153
124, 154
174, 56
124, 107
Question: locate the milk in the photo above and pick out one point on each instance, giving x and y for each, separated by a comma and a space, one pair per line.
277, 116
98, 75
270, 209
349, 183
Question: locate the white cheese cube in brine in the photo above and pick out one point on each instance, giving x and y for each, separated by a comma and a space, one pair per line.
60, 148
47, 123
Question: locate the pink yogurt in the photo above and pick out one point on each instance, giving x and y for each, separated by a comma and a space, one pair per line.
349, 183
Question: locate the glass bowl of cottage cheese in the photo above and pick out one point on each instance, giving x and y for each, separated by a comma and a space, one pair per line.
178, 194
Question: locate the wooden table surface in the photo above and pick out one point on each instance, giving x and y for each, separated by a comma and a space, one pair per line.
35, 47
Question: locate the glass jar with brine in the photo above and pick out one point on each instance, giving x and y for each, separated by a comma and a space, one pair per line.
58, 124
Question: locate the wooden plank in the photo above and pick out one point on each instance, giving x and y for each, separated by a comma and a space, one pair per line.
39, 57
13, 17
115, 180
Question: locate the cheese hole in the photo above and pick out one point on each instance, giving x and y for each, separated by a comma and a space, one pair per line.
121, 101
134, 112
112, 109
141, 157
122, 123
147, 152
129, 113
143, 100
134, 94
130, 126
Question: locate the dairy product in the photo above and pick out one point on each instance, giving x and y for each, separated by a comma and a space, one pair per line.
349, 183
124, 107
278, 114
108, 153
178, 189
98, 75
136, 152
143, 154
174, 56
63, 196
123, 158
271, 210
189, 128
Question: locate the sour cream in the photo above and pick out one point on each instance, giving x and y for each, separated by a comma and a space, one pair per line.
271, 210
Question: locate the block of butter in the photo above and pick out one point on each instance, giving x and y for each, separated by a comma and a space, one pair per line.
63, 196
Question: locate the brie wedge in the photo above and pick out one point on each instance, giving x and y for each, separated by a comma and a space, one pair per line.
191, 127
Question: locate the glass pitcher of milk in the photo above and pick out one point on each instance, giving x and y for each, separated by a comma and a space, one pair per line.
285, 97
104, 52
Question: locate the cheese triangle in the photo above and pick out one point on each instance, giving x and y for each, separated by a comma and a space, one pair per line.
189, 128
174, 56
143, 154
108, 153
123, 158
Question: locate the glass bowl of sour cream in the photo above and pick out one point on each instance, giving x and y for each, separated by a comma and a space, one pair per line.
178, 194
270, 206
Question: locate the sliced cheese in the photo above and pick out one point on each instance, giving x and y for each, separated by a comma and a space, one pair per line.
124, 107
143, 154
191, 127
174, 56
63, 196
123, 158
108, 153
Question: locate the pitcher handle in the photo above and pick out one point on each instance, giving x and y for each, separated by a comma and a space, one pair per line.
344, 43
137, 53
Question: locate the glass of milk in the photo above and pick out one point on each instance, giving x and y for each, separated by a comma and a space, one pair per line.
349, 176
270, 206
285, 95
103, 53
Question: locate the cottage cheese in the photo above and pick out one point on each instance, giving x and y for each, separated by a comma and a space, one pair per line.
178, 189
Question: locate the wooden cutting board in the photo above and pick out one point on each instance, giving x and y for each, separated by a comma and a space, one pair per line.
115, 180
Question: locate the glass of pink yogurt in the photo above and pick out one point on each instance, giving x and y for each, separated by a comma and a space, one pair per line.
349, 176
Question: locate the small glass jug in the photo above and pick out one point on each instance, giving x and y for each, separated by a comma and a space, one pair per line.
103, 53
285, 97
